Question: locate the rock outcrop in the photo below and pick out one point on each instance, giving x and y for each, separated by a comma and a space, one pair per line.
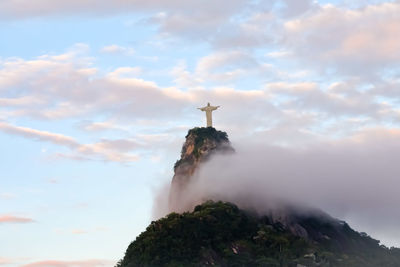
200, 145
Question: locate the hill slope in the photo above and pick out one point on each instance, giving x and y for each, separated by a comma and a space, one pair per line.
220, 234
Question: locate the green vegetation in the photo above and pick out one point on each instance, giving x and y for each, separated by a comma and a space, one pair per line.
204, 133
220, 234
200, 135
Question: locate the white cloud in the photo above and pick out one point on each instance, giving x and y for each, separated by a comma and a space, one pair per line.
68, 89
116, 49
353, 41
119, 96
297, 7
225, 66
124, 72
109, 150
39, 135
184, 78
197, 20
10, 9
277, 54
102, 126
333, 103
20, 101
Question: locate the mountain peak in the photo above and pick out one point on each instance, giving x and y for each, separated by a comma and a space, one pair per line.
200, 144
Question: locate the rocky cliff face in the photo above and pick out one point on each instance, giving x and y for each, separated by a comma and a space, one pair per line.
200, 145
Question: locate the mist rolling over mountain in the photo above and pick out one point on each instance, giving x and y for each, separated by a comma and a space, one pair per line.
278, 213
97, 96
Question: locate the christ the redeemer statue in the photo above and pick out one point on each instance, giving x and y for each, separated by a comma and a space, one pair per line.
209, 109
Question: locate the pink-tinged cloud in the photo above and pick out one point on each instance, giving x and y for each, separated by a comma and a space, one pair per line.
58, 263
4, 261
372, 30
14, 219
38, 135
107, 150
79, 232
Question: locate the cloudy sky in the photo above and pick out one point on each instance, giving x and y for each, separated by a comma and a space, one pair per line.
96, 97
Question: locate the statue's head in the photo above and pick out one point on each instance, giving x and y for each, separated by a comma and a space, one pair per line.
208, 104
